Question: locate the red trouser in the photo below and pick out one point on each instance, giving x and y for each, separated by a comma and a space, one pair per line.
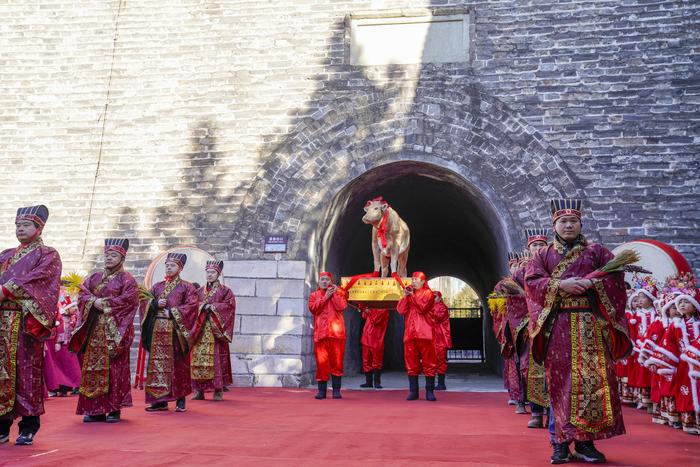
417, 352
440, 359
372, 358
329, 358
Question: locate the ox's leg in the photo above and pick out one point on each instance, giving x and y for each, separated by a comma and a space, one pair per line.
376, 253
385, 266
403, 261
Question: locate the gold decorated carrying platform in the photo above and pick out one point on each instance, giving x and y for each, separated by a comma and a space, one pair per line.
379, 292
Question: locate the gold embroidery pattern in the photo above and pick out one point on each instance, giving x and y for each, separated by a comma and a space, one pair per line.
591, 406
536, 388
609, 308
21, 253
160, 360
9, 336
552, 296
202, 366
94, 377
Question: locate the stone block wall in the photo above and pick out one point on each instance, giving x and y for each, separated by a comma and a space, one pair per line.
272, 343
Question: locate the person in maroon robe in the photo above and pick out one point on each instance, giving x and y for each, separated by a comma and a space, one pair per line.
30, 282
61, 368
578, 328
213, 333
166, 334
372, 341
532, 372
107, 304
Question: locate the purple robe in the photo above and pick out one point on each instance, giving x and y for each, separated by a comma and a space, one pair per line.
213, 333
577, 337
168, 340
32, 275
61, 368
103, 340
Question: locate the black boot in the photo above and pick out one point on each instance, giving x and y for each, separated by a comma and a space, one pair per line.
586, 451
368, 380
429, 388
336, 380
441, 383
560, 453
322, 387
378, 379
412, 388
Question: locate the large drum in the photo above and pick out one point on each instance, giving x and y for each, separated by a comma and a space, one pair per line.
660, 258
193, 271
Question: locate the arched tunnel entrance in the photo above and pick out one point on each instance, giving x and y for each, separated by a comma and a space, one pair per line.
455, 231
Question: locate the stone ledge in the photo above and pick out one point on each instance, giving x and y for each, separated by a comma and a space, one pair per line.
250, 269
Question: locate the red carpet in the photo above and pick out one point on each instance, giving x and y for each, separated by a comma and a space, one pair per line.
288, 427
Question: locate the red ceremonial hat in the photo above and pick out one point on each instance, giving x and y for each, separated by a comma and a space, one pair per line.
214, 264
327, 274
565, 207
419, 275
120, 245
692, 295
535, 235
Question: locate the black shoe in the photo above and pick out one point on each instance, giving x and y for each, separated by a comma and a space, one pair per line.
180, 405
94, 418
157, 407
378, 379
560, 454
25, 439
113, 417
335, 381
586, 451
520, 409
4, 438
440, 383
368, 380
322, 388
429, 388
412, 388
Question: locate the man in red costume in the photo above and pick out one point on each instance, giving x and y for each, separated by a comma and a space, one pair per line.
440, 317
107, 304
578, 328
166, 333
30, 282
327, 304
213, 333
376, 322
418, 346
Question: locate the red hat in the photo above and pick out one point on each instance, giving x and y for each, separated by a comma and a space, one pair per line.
565, 207
536, 235
216, 265
419, 275
325, 273
692, 295
438, 293
120, 245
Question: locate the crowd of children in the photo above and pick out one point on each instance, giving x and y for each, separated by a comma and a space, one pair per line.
662, 375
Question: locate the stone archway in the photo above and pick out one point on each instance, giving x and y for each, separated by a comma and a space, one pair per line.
455, 231
459, 127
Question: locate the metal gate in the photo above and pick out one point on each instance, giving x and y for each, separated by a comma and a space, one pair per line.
467, 335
